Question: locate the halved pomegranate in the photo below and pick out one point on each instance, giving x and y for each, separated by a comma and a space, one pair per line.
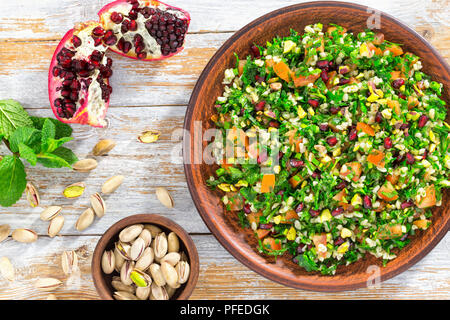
78, 83
144, 29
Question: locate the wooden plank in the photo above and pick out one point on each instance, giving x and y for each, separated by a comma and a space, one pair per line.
50, 19
145, 166
221, 276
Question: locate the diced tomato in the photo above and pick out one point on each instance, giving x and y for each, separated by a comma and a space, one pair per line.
378, 38
396, 75
241, 66
290, 215
330, 81
430, 198
271, 244
361, 126
422, 224
387, 192
340, 195
254, 217
392, 178
395, 49
390, 232
267, 183
395, 106
332, 28
412, 102
294, 140
283, 71
351, 167
295, 181
320, 239
302, 81
376, 157
262, 233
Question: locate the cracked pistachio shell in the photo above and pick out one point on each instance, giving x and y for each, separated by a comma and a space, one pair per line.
147, 236
157, 276
32, 195
119, 260
75, 190
124, 295
85, 165
130, 233
171, 258
85, 220
169, 274
142, 293
119, 286
160, 245
125, 272
69, 261
24, 235
50, 212
98, 205
123, 249
108, 262
154, 230
112, 184
149, 136
103, 147
137, 249
5, 229
55, 226
140, 278
47, 284
164, 197
173, 242
145, 260
183, 270
7, 269
158, 292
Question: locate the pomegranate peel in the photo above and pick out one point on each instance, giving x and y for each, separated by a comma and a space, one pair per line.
144, 29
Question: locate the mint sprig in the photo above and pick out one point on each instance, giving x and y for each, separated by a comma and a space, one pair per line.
36, 140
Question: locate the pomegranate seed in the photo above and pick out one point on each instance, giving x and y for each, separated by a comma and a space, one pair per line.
265, 226
56, 71
260, 106
255, 51
378, 117
98, 31
133, 14
398, 83
146, 12
116, 17
76, 41
313, 103
247, 209
334, 110
387, 143
422, 121
97, 41
323, 64
314, 213
258, 78
323, 126
410, 158
127, 47
332, 141
132, 25
324, 76
338, 241
341, 185
404, 126
299, 207
110, 41
142, 55
407, 204
316, 174
331, 65
274, 124
337, 211
367, 202
353, 134
343, 81
125, 26
295, 163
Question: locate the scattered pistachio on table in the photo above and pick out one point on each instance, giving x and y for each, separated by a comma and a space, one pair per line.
24, 235
69, 262
149, 136
141, 265
98, 205
32, 195
47, 284
112, 184
7, 269
75, 190
85, 165
5, 229
55, 225
103, 147
50, 212
164, 197
85, 219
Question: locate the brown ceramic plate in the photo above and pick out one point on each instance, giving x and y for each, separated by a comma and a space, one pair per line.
241, 243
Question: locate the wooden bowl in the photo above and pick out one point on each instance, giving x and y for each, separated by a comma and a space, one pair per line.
240, 242
102, 281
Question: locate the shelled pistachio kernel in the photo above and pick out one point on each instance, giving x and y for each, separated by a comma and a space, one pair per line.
74, 190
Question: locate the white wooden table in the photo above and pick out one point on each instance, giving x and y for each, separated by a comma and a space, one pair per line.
154, 95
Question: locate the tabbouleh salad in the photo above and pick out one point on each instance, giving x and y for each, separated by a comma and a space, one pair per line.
363, 148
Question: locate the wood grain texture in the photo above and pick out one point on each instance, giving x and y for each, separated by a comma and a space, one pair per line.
154, 95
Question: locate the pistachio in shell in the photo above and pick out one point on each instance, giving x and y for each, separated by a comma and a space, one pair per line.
50, 212
119, 260
123, 250
169, 274
24, 235
154, 230
5, 229
55, 226
140, 278
119, 286
103, 147
145, 260
158, 292
47, 284
137, 249
149, 136
183, 270
156, 273
69, 261
147, 236
125, 272
85, 165
7, 269
142, 293
85, 219
131, 232
108, 262
75, 190
173, 242
164, 197
160, 245
112, 184
98, 205
32, 195
171, 258
124, 295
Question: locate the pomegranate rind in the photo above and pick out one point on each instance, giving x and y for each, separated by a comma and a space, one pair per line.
82, 115
105, 21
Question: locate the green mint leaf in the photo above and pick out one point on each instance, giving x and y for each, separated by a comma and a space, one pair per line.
26, 135
13, 180
27, 153
66, 154
61, 129
48, 130
12, 116
49, 160
51, 144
